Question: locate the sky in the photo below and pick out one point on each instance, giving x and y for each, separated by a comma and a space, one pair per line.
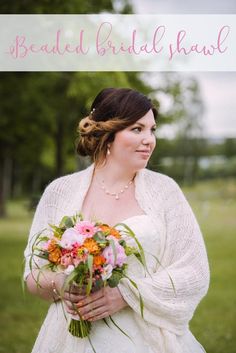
184, 6
218, 89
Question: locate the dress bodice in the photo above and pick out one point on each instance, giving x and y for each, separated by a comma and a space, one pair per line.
149, 233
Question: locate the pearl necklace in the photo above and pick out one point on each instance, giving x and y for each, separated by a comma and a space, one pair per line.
115, 194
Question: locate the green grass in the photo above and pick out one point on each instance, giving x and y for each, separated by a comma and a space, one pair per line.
214, 323
214, 204
21, 316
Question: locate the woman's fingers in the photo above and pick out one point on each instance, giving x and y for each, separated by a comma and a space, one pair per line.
99, 317
92, 306
90, 298
71, 308
74, 298
95, 306
96, 314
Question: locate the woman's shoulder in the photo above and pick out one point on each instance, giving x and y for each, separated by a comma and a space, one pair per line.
65, 184
163, 187
158, 179
62, 181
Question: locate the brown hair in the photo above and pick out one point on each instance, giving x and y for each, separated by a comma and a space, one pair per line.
112, 110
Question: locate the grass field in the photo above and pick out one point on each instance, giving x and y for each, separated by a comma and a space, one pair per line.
214, 322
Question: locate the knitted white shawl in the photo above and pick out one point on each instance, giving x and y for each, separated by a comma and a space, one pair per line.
183, 256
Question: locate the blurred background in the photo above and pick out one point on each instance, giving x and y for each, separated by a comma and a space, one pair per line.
196, 145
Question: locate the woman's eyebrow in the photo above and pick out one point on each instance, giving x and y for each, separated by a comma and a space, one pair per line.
143, 125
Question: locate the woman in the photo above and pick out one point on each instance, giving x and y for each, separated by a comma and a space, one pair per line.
119, 135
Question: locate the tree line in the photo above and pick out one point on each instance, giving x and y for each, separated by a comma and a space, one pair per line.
39, 114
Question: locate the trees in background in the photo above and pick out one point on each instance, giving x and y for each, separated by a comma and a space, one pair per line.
64, 7
183, 110
39, 113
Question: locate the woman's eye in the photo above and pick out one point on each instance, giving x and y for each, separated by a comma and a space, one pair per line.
154, 130
136, 129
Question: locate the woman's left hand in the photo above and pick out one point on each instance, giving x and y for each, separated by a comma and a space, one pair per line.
101, 304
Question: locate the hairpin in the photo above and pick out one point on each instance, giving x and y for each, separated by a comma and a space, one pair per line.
92, 111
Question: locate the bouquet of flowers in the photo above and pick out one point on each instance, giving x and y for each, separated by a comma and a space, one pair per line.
91, 254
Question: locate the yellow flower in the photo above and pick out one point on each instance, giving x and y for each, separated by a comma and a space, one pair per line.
92, 246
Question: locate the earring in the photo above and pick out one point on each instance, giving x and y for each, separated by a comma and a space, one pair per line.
108, 150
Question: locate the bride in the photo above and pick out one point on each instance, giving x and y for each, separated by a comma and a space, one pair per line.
119, 136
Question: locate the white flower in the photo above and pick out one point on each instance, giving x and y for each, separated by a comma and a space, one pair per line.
107, 272
71, 237
69, 269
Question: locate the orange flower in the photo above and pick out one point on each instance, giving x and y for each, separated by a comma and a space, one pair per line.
54, 252
52, 245
55, 256
104, 228
92, 246
115, 233
109, 230
98, 260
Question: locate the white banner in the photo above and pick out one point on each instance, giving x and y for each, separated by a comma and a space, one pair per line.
117, 42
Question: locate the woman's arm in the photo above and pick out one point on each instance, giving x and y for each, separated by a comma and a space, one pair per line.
172, 294
45, 284
41, 282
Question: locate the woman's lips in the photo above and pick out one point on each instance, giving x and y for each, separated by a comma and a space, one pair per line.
144, 153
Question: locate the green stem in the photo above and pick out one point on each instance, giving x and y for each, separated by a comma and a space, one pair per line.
80, 328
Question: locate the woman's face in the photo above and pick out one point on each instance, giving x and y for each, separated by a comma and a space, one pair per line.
133, 146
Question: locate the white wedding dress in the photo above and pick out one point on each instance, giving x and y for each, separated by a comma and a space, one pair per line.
171, 291
54, 336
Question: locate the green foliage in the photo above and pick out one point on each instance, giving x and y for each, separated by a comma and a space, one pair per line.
229, 147
42, 115
130, 250
199, 158
100, 239
115, 278
66, 222
41, 120
63, 7
57, 231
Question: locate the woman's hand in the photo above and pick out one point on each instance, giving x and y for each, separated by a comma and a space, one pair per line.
95, 306
71, 297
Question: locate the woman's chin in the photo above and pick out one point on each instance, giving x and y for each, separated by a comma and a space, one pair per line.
141, 164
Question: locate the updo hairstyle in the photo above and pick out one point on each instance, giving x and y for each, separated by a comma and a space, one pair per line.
113, 110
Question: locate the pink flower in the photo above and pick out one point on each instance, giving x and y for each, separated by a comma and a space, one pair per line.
116, 256
66, 260
45, 245
71, 237
77, 260
86, 228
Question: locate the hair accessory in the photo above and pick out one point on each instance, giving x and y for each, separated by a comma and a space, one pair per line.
92, 111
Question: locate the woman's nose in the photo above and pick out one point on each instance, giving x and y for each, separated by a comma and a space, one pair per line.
148, 139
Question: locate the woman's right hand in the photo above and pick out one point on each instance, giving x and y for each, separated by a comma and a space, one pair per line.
72, 296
